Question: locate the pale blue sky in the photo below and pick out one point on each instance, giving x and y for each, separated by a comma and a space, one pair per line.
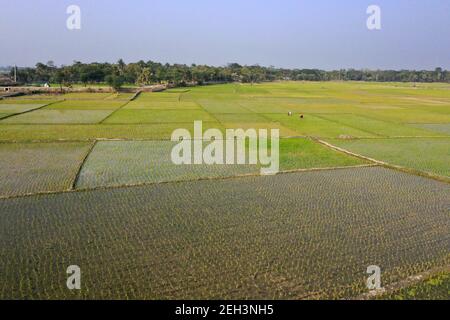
326, 34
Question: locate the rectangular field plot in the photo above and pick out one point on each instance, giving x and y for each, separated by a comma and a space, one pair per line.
18, 108
36, 167
428, 155
303, 153
438, 128
311, 125
284, 131
60, 116
292, 236
87, 105
159, 116
265, 106
299, 105
220, 105
122, 96
48, 132
377, 127
159, 97
410, 116
37, 96
15, 101
163, 105
241, 117
87, 95
114, 163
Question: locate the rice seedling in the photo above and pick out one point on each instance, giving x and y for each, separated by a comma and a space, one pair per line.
18, 108
56, 116
86, 105
39, 167
300, 235
431, 155
159, 116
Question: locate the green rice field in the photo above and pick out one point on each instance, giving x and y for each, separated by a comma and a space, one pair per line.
116, 163
60, 116
87, 179
427, 155
256, 237
38, 167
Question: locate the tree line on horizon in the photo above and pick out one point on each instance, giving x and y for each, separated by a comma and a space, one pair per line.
146, 73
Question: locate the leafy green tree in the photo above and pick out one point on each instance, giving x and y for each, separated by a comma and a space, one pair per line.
144, 77
115, 81
142, 72
60, 77
121, 66
84, 78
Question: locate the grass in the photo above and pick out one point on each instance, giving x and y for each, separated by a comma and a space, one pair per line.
427, 155
33, 167
436, 287
291, 236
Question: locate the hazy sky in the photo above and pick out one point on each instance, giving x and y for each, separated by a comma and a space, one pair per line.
325, 34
